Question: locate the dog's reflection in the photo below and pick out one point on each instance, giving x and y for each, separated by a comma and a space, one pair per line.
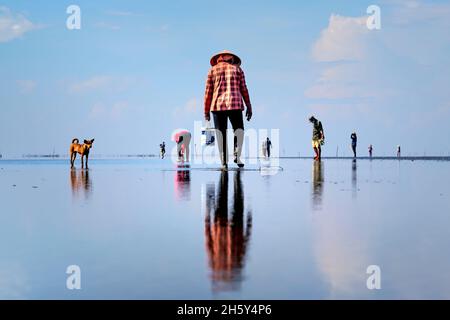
80, 182
227, 236
317, 186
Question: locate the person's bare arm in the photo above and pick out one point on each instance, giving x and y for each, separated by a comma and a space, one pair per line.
246, 96
208, 95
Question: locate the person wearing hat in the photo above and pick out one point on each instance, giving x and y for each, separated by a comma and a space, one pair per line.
226, 92
317, 138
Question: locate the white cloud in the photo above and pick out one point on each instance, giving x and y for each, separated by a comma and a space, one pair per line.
401, 70
343, 81
353, 55
112, 112
26, 86
101, 82
344, 44
120, 13
12, 25
341, 260
339, 110
192, 106
109, 26
343, 39
94, 83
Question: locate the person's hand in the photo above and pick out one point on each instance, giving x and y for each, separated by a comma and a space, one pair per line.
248, 114
207, 117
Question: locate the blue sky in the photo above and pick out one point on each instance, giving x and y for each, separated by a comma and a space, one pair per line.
136, 70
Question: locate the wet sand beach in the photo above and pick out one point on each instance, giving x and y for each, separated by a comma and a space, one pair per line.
143, 229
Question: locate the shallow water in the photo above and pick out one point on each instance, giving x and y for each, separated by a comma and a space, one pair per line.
139, 229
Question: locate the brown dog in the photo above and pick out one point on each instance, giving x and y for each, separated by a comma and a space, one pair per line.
82, 149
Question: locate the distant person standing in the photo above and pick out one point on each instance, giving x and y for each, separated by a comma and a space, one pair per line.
399, 151
354, 142
370, 150
318, 137
225, 94
162, 149
268, 146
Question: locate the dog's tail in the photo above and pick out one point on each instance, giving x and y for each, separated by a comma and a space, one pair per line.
75, 140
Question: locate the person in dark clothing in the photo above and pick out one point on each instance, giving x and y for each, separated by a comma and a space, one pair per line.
354, 141
228, 229
162, 148
225, 95
268, 146
220, 122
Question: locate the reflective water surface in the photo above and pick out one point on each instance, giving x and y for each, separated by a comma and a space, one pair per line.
146, 229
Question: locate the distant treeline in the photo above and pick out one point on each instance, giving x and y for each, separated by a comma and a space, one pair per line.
40, 156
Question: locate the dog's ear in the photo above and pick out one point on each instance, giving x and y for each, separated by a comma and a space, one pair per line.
92, 141
85, 141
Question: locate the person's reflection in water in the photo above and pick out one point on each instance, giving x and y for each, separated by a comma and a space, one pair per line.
317, 186
183, 183
227, 236
354, 179
80, 181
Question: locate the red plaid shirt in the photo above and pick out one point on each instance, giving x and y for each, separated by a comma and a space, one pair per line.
225, 89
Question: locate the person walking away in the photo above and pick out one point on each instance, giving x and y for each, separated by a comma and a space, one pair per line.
399, 151
370, 150
318, 137
183, 139
268, 146
354, 141
225, 94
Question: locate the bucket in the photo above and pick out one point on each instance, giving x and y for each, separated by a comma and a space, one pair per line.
208, 135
